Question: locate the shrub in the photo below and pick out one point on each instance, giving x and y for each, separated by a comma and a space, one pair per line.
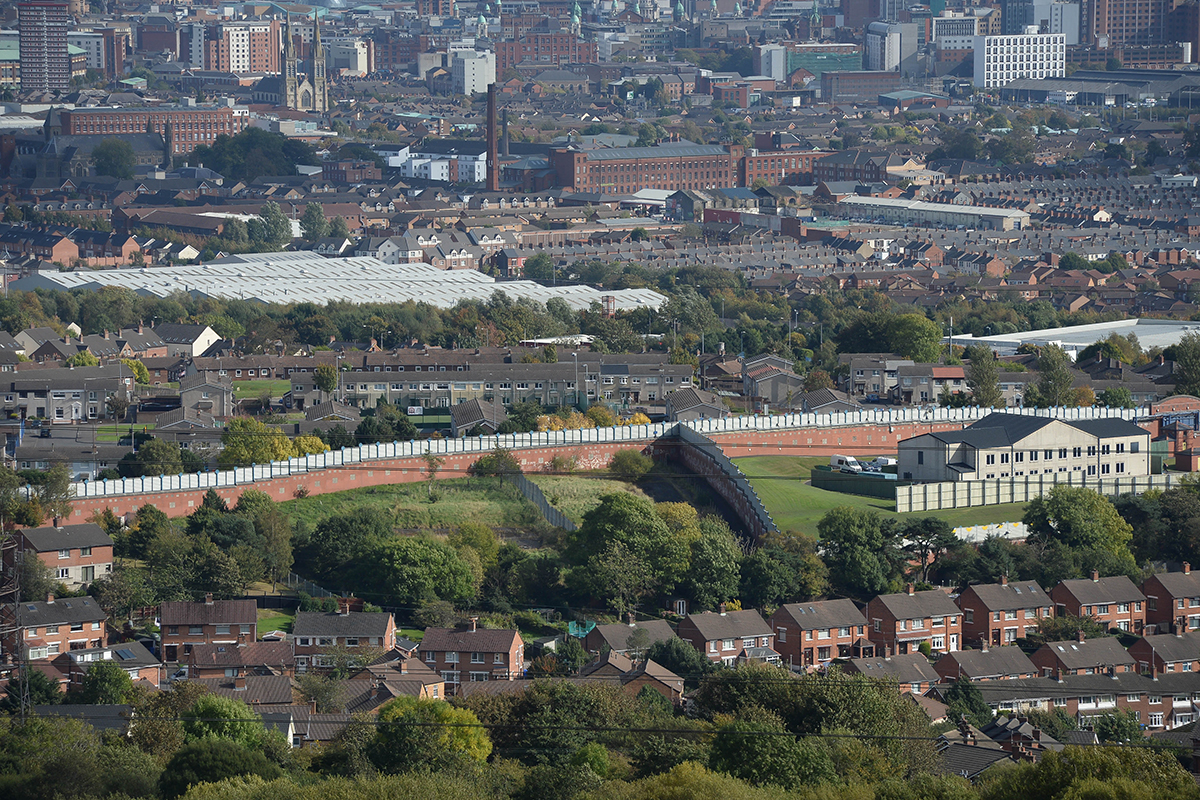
630, 465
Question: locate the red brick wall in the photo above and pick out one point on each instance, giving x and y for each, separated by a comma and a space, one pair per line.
858, 441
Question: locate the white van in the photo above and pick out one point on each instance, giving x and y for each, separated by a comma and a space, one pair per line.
845, 464
883, 461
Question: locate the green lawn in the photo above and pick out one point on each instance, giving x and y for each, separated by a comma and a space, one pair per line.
575, 495
115, 433
251, 389
488, 500
274, 619
412, 634
795, 505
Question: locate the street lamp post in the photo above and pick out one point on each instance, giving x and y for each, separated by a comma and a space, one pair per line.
575, 356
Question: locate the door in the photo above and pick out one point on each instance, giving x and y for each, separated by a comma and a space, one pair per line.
953, 642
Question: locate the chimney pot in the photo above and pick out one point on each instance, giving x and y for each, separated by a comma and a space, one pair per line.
239, 683
911, 590
1004, 580
629, 619
1079, 636
208, 601
1187, 568
474, 624
49, 598
721, 608
1095, 576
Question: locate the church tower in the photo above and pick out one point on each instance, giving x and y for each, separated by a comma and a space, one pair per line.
316, 74
291, 81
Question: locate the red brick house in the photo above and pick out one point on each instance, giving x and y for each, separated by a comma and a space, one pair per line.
138, 662
1083, 656
47, 628
912, 671
994, 664
1167, 652
730, 636
1113, 602
1171, 595
314, 632
75, 554
243, 658
185, 624
807, 634
999, 613
473, 654
901, 622
632, 676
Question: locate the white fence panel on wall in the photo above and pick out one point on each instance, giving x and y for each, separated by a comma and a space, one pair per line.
921, 497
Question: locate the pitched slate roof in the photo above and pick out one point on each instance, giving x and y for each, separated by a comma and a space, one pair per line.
48, 539
251, 654
1170, 647
1011, 596
730, 625
331, 623
235, 612
1089, 654
59, 612
259, 689
918, 605
1180, 584
910, 668
616, 635
997, 661
823, 614
1117, 589
480, 640
968, 761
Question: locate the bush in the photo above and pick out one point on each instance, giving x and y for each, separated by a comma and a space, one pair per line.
630, 465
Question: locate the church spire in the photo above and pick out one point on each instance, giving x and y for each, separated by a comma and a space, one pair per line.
316, 73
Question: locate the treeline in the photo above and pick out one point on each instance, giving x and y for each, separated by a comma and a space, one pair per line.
755, 732
809, 331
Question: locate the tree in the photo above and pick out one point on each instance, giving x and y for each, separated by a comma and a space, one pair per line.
105, 684
313, 225
1054, 387
247, 441
123, 590
1116, 397
37, 578
253, 153
275, 530
539, 267
715, 564
42, 691
141, 375
326, 378
757, 749
681, 658
419, 734
277, 228
1082, 520
817, 379
115, 158
983, 377
928, 538
630, 465
338, 228
410, 569
117, 405
214, 717
56, 492
210, 761
1119, 726
963, 698
82, 359
433, 463
153, 457
323, 690
860, 554
1187, 364
645, 537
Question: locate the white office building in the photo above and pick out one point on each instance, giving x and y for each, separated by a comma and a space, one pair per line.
473, 71
92, 44
890, 47
773, 61
999, 60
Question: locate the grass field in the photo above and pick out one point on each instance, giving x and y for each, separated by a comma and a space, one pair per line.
794, 505
274, 619
488, 500
575, 495
115, 433
252, 389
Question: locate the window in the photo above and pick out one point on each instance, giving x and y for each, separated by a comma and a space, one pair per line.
222, 630
451, 658
497, 658
195, 630
782, 633
64, 573
351, 641
476, 658
85, 551
969, 616
727, 644
64, 553
876, 624
1156, 720
76, 627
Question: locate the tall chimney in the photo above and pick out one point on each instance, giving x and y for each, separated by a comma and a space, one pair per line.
1187, 568
474, 624
504, 138
493, 163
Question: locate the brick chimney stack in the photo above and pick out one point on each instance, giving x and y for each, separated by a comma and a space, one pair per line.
474, 624
1187, 568
911, 590
1095, 576
208, 601
1004, 580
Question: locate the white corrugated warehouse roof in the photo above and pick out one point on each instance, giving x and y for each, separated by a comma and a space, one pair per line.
307, 277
